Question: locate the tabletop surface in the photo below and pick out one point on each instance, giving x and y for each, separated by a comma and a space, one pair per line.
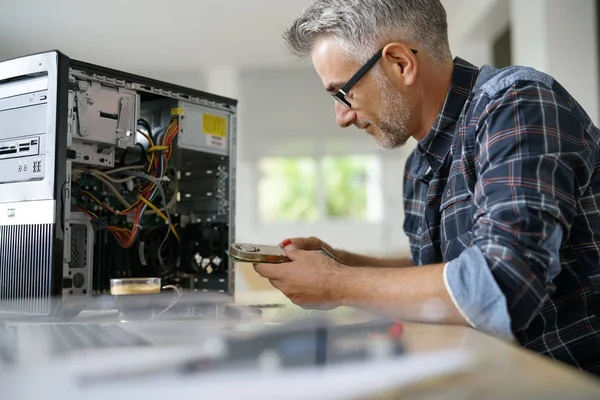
507, 371
499, 370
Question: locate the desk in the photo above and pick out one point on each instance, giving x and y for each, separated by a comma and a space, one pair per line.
499, 370
509, 372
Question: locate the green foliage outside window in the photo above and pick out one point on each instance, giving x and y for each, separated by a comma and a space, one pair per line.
288, 189
346, 180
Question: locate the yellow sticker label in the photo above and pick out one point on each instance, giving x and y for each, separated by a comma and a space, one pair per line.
177, 111
214, 125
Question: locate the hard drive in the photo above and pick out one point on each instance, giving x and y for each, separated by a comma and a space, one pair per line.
259, 253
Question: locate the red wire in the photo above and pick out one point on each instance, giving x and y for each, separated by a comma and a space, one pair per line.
124, 239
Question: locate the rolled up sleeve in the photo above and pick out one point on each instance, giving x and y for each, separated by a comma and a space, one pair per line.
476, 294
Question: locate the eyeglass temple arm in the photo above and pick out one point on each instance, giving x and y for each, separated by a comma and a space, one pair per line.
363, 70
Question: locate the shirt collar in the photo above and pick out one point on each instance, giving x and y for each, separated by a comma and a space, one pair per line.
435, 146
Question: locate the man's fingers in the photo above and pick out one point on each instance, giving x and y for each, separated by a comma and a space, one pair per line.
309, 243
269, 271
294, 254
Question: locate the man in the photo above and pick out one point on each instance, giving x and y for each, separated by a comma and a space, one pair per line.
501, 194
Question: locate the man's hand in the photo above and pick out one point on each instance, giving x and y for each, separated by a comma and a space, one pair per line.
313, 280
345, 257
309, 280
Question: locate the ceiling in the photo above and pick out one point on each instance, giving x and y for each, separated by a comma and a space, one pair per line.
153, 36
148, 35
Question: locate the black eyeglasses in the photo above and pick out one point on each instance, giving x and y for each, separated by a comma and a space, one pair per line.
340, 95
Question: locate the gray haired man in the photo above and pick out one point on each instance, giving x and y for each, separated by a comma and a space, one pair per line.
501, 192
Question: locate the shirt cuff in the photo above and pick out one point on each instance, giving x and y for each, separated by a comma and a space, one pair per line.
476, 294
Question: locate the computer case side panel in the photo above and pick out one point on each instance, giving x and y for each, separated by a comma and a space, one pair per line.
33, 122
61, 174
232, 194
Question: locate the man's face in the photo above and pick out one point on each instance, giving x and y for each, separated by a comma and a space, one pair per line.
378, 107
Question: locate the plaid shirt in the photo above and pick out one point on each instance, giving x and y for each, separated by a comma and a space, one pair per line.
505, 190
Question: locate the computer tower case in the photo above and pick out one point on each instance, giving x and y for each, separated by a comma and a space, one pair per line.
107, 174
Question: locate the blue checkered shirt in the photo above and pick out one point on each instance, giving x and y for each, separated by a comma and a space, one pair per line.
505, 191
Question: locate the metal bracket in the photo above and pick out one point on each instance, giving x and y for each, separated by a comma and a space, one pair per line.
82, 113
124, 122
88, 153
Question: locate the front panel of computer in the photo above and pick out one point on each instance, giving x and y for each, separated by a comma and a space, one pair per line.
32, 140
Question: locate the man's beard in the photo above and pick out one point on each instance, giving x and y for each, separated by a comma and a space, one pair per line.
393, 117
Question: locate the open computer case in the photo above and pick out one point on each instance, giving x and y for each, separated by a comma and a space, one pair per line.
105, 174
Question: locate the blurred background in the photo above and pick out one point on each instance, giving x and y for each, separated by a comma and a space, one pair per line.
298, 173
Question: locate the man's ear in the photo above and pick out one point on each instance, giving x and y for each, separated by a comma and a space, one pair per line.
399, 61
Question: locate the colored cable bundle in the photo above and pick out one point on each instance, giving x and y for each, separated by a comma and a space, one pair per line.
158, 155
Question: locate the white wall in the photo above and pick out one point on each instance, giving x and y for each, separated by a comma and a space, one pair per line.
558, 37
472, 25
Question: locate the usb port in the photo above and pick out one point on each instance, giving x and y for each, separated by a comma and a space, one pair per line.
23, 148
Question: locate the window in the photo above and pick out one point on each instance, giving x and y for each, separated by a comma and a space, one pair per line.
307, 189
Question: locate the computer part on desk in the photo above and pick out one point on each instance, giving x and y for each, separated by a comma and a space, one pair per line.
106, 174
194, 318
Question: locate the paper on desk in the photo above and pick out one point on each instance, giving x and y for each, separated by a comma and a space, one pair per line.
349, 381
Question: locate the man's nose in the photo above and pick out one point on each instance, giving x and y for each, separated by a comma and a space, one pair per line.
344, 115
